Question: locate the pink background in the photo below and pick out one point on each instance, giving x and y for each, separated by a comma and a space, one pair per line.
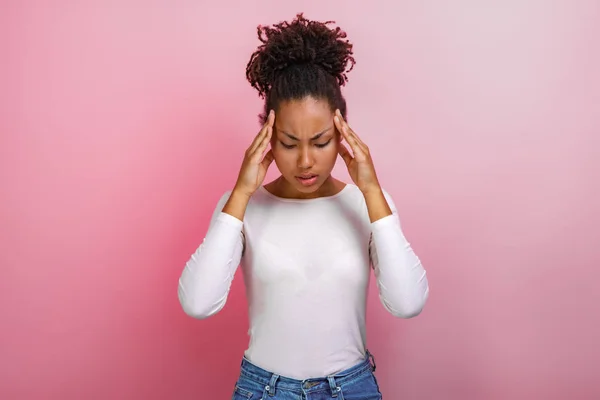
122, 123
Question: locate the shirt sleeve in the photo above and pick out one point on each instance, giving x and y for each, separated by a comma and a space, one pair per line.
401, 279
206, 278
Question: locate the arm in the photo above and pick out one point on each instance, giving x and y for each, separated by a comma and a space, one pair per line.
403, 287
401, 279
206, 279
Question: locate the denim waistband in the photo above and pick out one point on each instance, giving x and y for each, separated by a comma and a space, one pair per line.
272, 380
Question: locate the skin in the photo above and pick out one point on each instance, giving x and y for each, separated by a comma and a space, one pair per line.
306, 136
305, 140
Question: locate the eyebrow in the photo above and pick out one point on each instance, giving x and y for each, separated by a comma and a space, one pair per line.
317, 136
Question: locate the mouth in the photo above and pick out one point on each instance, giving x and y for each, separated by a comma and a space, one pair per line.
307, 180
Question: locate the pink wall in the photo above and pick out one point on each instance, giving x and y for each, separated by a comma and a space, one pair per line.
122, 123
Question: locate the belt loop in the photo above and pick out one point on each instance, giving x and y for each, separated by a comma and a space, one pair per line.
271, 386
372, 360
332, 385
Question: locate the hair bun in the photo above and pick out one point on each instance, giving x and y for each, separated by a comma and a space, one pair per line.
296, 43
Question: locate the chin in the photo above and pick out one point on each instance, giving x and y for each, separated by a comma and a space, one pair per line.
309, 189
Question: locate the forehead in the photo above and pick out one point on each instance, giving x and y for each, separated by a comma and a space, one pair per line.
303, 117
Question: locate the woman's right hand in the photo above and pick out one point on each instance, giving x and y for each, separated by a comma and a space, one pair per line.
254, 167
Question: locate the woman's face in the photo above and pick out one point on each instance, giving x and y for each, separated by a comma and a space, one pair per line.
305, 144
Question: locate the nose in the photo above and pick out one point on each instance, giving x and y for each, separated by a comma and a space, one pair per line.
305, 158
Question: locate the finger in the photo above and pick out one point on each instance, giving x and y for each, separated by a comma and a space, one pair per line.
345, 154
351, 132
337, 121
346, 135
261, 134
268, 159
343, 126
343, 122
271, 118
260, 149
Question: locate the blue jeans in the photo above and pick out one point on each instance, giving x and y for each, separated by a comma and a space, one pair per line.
355, 383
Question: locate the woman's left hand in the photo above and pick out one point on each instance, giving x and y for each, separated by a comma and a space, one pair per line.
360, 166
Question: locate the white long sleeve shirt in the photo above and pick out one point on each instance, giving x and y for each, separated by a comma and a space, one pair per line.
306, 266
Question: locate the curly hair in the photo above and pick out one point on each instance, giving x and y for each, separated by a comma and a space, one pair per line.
298, 59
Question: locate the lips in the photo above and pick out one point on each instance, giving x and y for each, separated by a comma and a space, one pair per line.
307, 179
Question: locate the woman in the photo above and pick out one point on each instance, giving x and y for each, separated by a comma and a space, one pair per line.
306, 240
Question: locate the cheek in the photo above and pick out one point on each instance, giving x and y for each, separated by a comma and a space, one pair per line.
282, 158
332, 152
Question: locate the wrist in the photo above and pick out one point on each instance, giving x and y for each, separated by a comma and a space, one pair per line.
373, 191
241, 194
377, 205
236, 204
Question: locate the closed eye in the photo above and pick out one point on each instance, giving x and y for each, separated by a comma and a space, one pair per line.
324, 144
287, 146
291, 146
